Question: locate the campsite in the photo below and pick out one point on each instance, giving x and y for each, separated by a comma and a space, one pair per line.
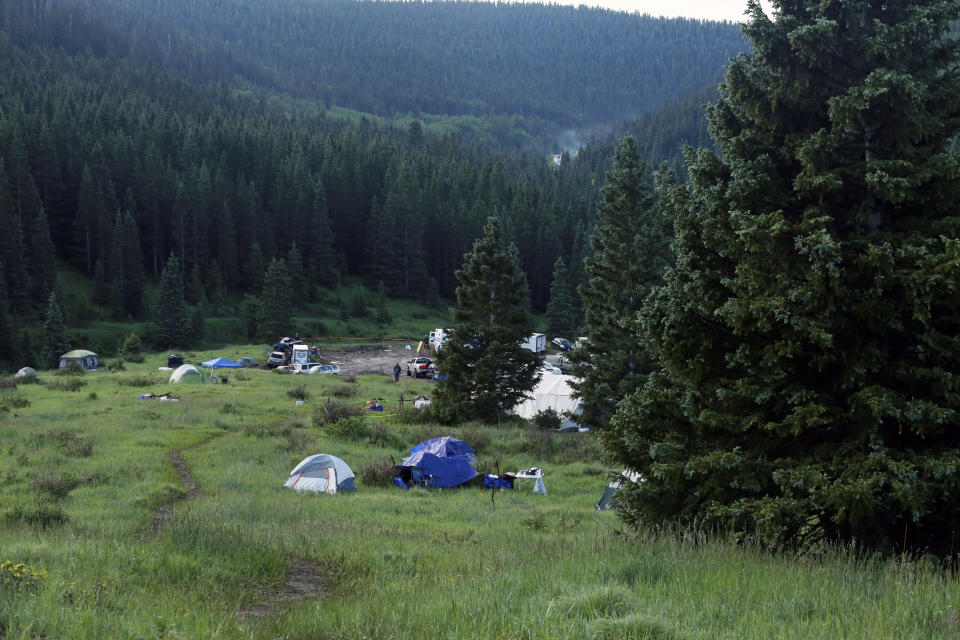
170, 519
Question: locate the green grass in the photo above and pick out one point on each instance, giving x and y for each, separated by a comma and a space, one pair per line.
84, 473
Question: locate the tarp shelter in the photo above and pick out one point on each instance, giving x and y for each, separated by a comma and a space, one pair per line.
552, 392
86, 359
441, 462
26, 372
614, 486
321, 473
185, 373
222, 363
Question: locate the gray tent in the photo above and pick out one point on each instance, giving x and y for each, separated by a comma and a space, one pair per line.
86, 359
321, 473
26, 372
614, 486
186, 373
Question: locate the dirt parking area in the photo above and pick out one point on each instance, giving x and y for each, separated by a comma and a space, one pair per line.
369, 360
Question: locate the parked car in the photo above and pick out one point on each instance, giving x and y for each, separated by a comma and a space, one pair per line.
562, 344
546, 367
327, 369
420, 367
247, 362
276, 359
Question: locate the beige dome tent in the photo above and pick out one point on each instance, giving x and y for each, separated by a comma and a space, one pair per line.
186, 373
86, 359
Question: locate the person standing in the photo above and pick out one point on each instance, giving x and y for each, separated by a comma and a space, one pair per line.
396, 372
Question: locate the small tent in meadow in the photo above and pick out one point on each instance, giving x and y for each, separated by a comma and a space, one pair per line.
86, 359
185, 373
440, 462
26, 372
321, 473
614, 486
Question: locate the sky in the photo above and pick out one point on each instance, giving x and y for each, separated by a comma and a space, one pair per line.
704, 9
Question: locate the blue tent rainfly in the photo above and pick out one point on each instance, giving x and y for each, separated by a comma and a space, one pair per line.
441, 462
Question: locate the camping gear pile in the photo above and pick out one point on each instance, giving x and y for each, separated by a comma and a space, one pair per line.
375, 405
163, 396
440, 462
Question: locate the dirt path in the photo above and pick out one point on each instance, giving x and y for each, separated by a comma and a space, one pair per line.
304, 580
163, 512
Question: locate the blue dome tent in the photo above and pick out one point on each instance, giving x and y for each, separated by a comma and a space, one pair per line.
440, 462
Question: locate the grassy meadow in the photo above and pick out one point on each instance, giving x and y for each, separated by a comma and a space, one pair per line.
87, 468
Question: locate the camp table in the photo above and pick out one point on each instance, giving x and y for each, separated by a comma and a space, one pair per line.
539, 487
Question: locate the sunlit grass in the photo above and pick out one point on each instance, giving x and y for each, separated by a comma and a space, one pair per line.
416, 564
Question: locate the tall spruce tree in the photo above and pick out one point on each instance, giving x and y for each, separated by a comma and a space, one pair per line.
630, 253
172, 314
276, 302
55, 340
487, 372
810, 332
561, 310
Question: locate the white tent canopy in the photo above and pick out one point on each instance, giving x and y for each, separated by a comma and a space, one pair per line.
188, 371
553, 392
321, 473
628, 475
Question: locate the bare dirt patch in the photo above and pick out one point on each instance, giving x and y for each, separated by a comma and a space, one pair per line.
370, 360
305, 580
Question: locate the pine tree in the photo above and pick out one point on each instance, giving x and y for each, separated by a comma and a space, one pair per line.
55, 340
630, 252
487, 372
276, 302
810, 331
561, 313
172, 315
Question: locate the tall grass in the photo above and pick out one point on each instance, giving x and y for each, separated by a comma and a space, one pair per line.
84, 482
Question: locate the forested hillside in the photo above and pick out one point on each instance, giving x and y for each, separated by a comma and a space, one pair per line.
553, 67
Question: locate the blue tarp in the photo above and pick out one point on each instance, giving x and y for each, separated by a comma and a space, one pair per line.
442, 462
445, 447
222, 363
441, 472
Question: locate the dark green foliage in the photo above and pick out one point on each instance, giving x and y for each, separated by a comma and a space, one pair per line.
630, 252
299, 393
810, 331
55, 340
131, 346
276, 302
43, 515
487, 370
172, 315
333, 411
561, 310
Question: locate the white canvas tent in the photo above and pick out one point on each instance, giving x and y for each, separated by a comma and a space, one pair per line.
553, 392
186, 373
614, 486
321, 473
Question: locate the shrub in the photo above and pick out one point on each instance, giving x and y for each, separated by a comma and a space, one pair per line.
333, 411
92, 395
7, 382
353, 428
24, 380
297, 440
69, 443
378, 473
43, 515
69, 384
342, 392
133, 357
72, 369
13, 402
299, 393
57, 485
138, 381
547, 419
381, 436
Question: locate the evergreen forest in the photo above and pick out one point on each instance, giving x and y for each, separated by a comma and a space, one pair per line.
131, 132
